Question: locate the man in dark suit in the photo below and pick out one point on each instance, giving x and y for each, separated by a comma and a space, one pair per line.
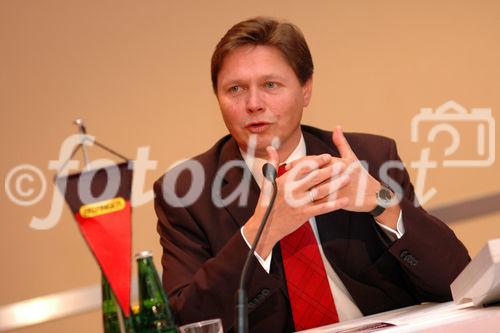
361, 244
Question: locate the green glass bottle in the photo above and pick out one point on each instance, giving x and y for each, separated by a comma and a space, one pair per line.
154, 310
113, 319
136, 319
129, 324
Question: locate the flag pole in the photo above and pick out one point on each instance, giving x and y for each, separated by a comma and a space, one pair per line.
83, 131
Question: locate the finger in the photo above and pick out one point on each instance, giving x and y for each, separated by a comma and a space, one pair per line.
320, 176
272, 156
341, 143
337, 166
266, 186
326, 189
334, 160
327, 206
305, 165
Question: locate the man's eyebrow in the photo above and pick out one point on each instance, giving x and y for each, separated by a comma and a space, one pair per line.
237, 82
232, 82
273, 77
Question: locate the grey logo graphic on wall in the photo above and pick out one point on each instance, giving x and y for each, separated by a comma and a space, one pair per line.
471, 137
446, 119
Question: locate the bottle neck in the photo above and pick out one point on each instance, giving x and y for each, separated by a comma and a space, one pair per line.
150, 286
108, 299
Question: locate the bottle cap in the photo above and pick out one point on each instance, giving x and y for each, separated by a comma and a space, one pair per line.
143, 254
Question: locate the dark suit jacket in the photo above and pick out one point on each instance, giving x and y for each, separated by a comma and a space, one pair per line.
204, 252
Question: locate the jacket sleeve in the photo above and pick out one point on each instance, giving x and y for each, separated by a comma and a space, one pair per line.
429, 253
201, 284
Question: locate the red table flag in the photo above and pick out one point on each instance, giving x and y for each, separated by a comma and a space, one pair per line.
100, 202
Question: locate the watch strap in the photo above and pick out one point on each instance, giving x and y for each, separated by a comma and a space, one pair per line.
377, 210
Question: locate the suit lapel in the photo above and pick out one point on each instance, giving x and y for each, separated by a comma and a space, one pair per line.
241, 213
237, 178
333, 228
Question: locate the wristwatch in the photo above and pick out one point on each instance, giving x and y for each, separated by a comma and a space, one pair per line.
384, 198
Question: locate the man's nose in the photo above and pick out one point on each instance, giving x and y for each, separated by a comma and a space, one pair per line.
254, 101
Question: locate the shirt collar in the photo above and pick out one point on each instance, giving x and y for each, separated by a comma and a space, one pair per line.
255, 163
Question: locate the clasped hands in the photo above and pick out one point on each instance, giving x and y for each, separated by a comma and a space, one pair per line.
311, 186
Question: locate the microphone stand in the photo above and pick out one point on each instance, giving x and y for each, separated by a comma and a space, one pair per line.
241, 324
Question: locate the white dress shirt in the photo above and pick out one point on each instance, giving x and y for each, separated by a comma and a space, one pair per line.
346, 308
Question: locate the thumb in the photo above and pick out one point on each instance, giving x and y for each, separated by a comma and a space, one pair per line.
341, 143
273, 156
267, 187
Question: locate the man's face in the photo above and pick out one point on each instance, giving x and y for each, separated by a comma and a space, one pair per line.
259, 94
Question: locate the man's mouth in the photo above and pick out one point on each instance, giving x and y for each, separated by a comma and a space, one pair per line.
257, 126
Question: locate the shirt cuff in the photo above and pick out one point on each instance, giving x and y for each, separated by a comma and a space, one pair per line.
265, 263
391, 233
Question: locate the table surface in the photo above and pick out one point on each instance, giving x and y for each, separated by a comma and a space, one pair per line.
427, 317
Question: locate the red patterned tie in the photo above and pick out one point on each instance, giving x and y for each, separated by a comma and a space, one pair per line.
308, 288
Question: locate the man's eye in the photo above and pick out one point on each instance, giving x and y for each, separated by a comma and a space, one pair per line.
271, 85
234, 89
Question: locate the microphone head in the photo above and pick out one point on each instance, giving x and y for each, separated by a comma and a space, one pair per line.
269, 171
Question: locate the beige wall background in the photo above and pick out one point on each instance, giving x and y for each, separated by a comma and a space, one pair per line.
138, 73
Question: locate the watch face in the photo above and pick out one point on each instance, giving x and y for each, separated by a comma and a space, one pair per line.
385, 194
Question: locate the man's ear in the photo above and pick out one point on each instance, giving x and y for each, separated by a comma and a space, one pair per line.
307, 91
